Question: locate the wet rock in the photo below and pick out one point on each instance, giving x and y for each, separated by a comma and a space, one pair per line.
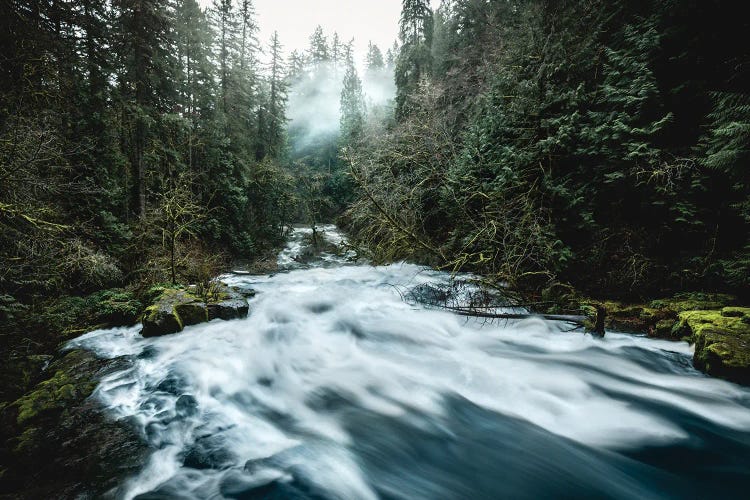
722, 341
191, 313
186, 406
659, 318
174, 309
172, 384
209, 452
231, 304
161, 319
57, 441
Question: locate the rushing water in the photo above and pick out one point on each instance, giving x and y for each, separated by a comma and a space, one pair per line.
334, 387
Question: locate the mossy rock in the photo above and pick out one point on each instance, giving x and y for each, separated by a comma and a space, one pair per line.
191, 313
56, 440
694, 301
71, 381
176, 308
722, 343
635, 317
736, 312
161, 319
665, 328
20, 373
660, 318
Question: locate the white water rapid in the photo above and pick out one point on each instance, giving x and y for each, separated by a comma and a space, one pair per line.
335, 387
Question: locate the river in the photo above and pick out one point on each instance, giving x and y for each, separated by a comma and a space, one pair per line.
335, 387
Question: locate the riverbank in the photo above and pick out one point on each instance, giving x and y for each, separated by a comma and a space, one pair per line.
336, 387
56, 441
48, 411
718, 325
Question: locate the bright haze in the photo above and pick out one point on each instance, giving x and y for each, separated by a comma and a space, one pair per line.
363, 20
314, 103
295, 20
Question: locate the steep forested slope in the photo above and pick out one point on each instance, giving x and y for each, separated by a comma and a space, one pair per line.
601, 143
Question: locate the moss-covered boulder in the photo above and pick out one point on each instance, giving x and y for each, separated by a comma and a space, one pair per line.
230, 304
71, 380
171, 312
722, 341
660, 318
57, 442
175, 308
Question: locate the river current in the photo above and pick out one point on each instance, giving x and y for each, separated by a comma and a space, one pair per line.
335, 387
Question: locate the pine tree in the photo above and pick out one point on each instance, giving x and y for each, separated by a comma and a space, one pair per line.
319, 52
146, 79
337, 55
274, 112
415, 25
297, 67
374, 59
227, 28
414, 59
352, 102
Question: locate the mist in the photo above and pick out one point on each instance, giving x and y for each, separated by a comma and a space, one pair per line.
314, 102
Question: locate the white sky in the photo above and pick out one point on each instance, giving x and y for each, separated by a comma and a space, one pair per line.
295, 20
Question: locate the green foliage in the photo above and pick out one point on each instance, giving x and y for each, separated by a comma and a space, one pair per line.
352, 105
565, 140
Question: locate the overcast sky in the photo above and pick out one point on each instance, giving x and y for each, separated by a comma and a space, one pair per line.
295, 20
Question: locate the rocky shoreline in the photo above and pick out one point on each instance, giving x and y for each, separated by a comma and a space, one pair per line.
55, 440
714, 323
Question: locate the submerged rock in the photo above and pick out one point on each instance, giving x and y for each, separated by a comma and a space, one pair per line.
175, 308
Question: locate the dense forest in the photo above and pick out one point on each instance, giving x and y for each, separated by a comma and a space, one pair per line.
600, 143
571, 160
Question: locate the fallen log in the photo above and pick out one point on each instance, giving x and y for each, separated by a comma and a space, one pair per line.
569, 318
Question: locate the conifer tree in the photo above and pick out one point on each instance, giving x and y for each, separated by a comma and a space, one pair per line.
414, 59
146, 78
319, 52
374, 59
273, 114
352, 101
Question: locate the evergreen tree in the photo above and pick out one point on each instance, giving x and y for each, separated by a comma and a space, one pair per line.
146, 80
227, 28
272, 116
319, 52
374, 60
297, 67
414, 59
352, 102
337, 54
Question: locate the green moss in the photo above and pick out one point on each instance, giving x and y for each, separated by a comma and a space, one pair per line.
115, 307
694, 301
664, 328
634, 317
69, 382
28, 440
722, 343
156, 291
191, 313
736, 312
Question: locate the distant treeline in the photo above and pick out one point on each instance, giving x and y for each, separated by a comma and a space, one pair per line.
599, 143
